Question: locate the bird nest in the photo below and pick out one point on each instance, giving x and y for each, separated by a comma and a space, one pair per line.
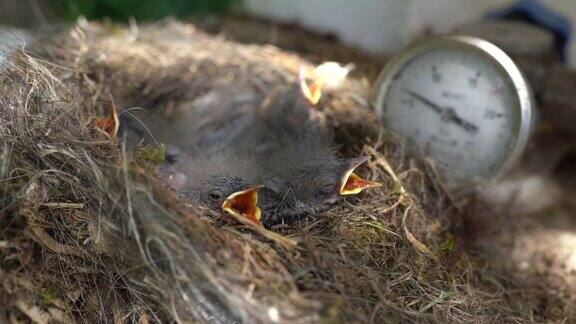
87, 233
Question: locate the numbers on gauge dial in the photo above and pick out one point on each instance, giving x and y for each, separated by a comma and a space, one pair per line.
457, 107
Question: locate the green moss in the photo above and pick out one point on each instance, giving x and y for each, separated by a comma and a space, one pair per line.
449, 244
48, 295
151, 156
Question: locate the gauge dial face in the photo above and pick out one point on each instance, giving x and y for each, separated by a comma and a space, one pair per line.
459, 108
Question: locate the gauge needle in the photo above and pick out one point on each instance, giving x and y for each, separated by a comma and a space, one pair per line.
446, 113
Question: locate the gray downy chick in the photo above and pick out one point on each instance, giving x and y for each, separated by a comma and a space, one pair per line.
219, 182
199, 166
207, 123
307, 177
297, 158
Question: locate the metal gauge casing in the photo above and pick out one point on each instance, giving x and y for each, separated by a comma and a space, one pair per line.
460, 101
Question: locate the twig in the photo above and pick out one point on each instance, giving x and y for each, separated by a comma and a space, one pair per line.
64, 205
33, 312
53, 245
415, 242
275, 237
34, 193
381, 161
6, 245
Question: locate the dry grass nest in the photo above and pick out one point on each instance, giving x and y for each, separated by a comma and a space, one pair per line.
88, 234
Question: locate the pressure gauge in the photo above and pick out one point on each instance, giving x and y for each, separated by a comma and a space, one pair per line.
460, 101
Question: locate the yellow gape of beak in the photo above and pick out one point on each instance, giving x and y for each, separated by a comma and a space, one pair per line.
244, 204
312, 92
353, 184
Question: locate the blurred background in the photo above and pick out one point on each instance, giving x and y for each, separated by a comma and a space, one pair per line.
376, 26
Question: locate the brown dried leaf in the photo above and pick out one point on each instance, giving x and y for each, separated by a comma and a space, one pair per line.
110, 124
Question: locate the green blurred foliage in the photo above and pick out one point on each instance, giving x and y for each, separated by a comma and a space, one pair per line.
121, 10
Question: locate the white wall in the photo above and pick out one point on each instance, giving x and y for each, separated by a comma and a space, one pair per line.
386, 25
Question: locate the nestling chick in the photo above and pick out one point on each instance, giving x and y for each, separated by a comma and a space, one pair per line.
297, 159
208, 174
205, 124
308, 177
217, 182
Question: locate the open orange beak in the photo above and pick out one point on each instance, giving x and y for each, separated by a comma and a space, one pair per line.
352, 183
244, 204
312, 92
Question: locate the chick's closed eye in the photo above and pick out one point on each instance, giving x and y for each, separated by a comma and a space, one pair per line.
215, 194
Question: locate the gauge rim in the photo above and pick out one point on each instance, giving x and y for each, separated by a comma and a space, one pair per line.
524, 116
